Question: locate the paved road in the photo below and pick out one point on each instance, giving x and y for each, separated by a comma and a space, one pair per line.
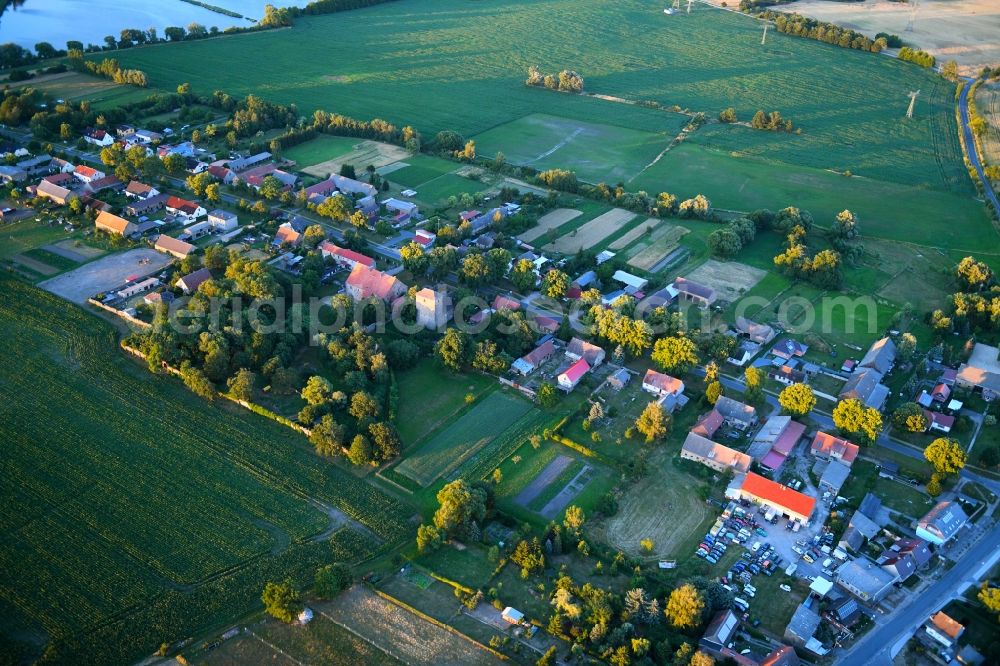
886, 639
970, 145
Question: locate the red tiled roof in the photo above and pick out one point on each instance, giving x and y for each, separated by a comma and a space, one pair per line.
574, 372
946, 624
708, 424
827, 444
178, 203
86, 171
350, 255
504, 303
782, 496
662, 382
788, 438
371, 282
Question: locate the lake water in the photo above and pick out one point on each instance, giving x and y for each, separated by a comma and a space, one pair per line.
89, 21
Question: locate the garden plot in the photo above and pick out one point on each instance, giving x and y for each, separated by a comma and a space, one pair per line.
593, 232
544, 478
634, 234
375, 153
729, 279
550, 221
663, 242
555, 506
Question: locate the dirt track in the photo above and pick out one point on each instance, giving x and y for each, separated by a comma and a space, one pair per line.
106, 273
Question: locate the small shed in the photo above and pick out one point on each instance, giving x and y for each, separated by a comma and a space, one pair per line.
512, 615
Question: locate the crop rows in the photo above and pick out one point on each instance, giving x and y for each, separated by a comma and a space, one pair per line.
123, 492
490, 457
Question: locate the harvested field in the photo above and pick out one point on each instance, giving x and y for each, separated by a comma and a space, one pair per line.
664, 507
549, 221
961, 30
664, 240
376, 153
544, 478
633, 235
80, 284
730, 279
401, 633
988, 106
593, 232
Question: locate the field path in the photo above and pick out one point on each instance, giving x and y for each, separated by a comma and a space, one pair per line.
556, 147
544, 478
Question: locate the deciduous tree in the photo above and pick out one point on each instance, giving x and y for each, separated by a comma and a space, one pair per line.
281, 600
797, 399
684, 607
653, 422
945, 455
855, 419
675, 354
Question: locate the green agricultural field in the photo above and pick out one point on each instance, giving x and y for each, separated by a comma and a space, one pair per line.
934, 216
320, 149
448, 185
130, 507
446, 64
26, 234
596, 152
455, 443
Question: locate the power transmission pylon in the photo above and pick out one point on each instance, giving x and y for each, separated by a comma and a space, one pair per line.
689, 6
763, 40
677, 4
913, 100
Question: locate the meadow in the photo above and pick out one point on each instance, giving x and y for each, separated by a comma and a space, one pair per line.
446, 64
320, 149
126, 499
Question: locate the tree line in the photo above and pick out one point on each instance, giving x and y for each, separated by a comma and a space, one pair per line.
566, 80
822, 31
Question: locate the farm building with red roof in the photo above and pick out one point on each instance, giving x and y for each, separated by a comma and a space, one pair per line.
789, 503
573, 374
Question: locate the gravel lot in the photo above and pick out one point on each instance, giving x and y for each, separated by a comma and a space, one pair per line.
80, 284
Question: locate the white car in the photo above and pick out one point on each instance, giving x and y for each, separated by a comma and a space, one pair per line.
785, 588
756, 546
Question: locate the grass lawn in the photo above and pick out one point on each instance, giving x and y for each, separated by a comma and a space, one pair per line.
902, 497
401, 61
773, 606
51, 258
429, 397
470, 567
420, 169
449, 185
449, 447
27, 234
320, 149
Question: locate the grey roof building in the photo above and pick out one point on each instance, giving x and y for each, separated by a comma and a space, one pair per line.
865, 579
866, 385
834, 476
802, 626
880, 356
942, 522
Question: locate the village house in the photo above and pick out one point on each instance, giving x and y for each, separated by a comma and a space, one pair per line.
353, 186
905, 557
834, 477
619, 379
139, 190
401, 211
344, 257
700, 295
787, 348
137, 288
62, 166
530, 361
36, 165
941, 523
634, 282
190, 282
736, 414
11, 174
365, 282
424, 238
941, 633
185, 149
774, 441
140, 207
939, 422
222, 220
570, 377
862, 525
715, 456
827, 446
222, 174
865, 580
880, 356
577, 349
545, 325
158, 297
55, 193
189, 209
786, 502
173, 246
660, 384
98, 137
760, 334
114, 225
244, 163
286, 235
866, 386
86, 174
981, 372
708, 424
802, 626
503, 303
107, 183
433, 308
